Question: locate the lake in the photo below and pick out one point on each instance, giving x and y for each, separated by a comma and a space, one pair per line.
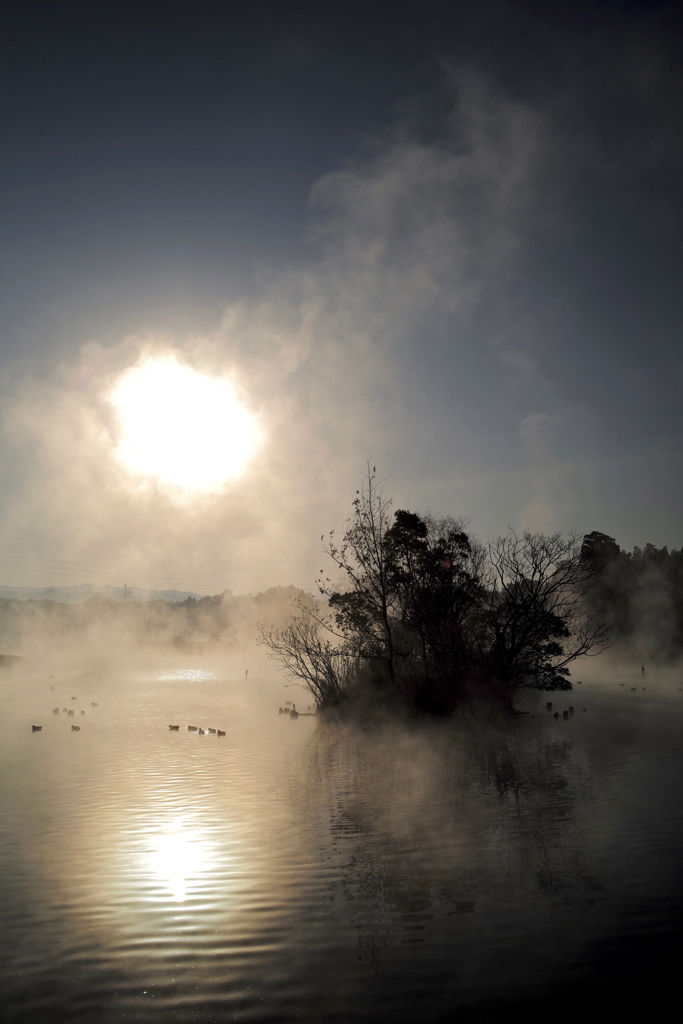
307, 871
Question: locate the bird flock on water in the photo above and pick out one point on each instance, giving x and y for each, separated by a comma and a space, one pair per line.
71, 712
290, 709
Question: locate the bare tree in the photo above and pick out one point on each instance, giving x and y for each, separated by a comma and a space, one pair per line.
535, 619
364, 607
308, 657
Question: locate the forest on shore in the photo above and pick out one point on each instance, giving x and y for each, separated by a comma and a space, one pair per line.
638, 594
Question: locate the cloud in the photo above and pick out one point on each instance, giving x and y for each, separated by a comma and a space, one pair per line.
399, 334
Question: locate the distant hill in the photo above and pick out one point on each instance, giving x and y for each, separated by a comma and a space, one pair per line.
83, 591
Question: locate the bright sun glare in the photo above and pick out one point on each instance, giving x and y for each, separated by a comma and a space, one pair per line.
182, 427
177, 857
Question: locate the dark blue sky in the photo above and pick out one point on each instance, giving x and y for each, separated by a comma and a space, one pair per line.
452, 231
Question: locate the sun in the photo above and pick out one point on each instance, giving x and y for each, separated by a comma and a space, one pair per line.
181, 427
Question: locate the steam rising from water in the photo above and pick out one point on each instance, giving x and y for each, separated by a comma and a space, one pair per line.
338, 872
405, 242
417, 247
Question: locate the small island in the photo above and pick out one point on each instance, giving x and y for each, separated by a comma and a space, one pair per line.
420, 618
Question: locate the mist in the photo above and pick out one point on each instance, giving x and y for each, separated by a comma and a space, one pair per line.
333, 337
104, 636
422, 240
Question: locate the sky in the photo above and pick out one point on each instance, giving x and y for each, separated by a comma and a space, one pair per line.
444, 238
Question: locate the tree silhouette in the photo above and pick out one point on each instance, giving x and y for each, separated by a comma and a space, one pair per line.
420, 610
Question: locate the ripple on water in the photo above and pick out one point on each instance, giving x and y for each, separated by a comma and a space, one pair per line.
316, 873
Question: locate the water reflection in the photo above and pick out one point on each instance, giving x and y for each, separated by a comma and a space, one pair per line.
178, 855
469, 843
303, 871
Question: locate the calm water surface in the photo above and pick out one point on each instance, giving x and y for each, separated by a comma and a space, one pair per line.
297, 871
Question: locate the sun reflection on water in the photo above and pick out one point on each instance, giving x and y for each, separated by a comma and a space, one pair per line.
178, 856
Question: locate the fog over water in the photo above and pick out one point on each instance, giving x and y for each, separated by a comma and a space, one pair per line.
313, 870
247, 253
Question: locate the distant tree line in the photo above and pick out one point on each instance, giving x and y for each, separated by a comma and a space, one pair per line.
419, 613
639, 594
218, 618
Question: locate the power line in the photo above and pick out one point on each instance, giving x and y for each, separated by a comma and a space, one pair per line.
84, 566
150, 579
54, 566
